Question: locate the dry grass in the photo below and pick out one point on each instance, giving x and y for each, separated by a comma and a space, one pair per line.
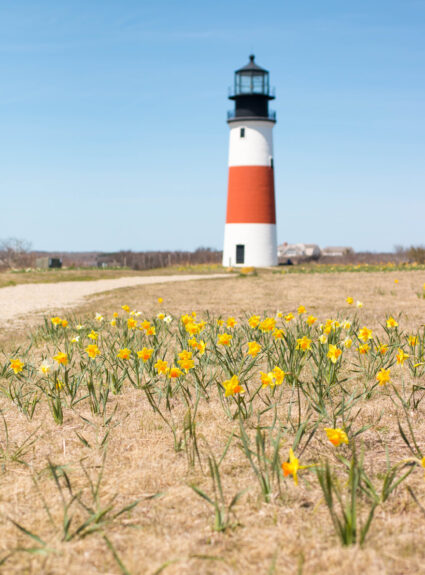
17, 277
172, 532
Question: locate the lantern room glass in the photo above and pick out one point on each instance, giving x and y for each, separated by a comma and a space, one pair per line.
251, 83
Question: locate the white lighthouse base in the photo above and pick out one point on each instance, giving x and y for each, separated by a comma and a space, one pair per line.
259, 245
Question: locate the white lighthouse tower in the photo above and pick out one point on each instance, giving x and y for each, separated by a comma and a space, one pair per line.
250, 230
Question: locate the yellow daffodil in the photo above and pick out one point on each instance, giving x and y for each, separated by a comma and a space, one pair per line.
268, 324
364, 348
254, 348
336, 436
349, 300
254, 321
365, 334
61, 358
16, 365
145, 354
383, 376
232, 387
292, 466
301, 310
161, 366
124, 353
334, 353
304, 344
174, 372
401, 356
224, 339
92, 351
391, 323
348, 342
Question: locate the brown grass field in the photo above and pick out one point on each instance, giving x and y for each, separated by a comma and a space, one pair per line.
130, 451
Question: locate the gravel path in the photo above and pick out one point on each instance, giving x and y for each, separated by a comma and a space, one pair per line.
25, 299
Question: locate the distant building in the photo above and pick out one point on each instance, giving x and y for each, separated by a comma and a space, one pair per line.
337, 251
285, 251
48, 263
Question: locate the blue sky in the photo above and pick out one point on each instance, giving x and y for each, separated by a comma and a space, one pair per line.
113, 132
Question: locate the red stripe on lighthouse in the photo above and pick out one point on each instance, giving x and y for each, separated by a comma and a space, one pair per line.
250, 198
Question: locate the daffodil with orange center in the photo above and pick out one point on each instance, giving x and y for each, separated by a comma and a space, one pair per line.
125, 308
61, 358
304, 344
124, 353
289, 317
365, 334
401, 356
278, 333
254, 348
56, 320
336, 436
232, 387
161, 366
267, 378
279, 375
383, 348
92, 351
292, 466
311, 320
268, 324
17, 365
254, 321
364, 348
383, 376
412, 340
174, 372
334, 353
231, 322
301, 310
224, 339
391, 323
131, 323
145, 354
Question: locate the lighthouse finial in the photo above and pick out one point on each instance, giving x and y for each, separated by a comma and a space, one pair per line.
251, 57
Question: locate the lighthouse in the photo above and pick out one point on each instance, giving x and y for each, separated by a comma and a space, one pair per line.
250, 230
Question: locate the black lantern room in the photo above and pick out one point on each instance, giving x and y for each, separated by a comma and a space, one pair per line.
251, 93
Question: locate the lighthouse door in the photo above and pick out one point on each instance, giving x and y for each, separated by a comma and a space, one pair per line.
240, 254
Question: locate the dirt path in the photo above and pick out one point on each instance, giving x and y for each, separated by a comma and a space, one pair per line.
18, 301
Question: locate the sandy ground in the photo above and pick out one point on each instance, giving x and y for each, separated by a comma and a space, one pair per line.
18, 301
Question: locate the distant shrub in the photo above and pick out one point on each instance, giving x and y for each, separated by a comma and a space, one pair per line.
416, 254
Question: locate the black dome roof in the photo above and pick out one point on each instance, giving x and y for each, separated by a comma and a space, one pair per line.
252, 67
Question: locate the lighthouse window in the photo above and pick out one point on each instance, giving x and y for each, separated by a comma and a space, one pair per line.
242, 132
240, 254
271, 162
